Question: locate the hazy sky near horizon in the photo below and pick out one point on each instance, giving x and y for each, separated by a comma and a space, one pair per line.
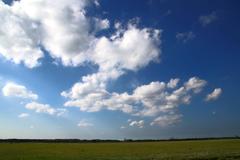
119, 69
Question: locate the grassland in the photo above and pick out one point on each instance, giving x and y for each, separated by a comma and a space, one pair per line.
179, 150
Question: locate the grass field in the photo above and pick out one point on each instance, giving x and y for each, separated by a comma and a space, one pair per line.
199, 150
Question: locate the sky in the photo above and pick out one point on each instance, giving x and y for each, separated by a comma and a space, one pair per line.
101, 69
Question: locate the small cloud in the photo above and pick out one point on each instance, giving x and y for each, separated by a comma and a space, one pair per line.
139, 124
45, 108
122, 127
32, 127
16, 90
208, 19
84, 123
96, 3
173, 83
185, 36
195, 84
214, 95
167, 120
23, 115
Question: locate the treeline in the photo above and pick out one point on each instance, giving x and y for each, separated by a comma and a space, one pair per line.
107, 140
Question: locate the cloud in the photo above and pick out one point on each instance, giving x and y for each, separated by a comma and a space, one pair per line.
173, 83
195, 84
167, 120
15, 90
18, 37
208, 19
114, 56
23, 115
122, 127
139, 124
125, 51
146, 100
62, 28
69, 35
84, 123
214, 95
185, 36
45, 108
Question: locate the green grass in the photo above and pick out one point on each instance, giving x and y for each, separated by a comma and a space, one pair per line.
197, 150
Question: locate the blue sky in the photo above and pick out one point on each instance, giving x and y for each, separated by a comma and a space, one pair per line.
119, 69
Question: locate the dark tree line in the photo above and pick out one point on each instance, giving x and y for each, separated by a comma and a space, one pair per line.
107, 141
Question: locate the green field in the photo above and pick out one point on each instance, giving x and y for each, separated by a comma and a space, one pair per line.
199, 150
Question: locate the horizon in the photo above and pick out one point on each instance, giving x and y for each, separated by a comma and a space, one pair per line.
98, 69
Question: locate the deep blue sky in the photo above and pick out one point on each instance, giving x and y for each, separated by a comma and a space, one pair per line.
212, 54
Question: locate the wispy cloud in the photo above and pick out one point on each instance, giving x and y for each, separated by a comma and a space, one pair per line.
85, 123
208, 19
45, 108
23, 115
185, 36
167, 120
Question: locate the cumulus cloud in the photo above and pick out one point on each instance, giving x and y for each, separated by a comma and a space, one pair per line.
84, 123
139, 124
195, 84
173, 83
214, 95
114, 56
63, 29
18, 37
146, 100
167, 120
185, 36
60, 27
45, 108
23, 115
207, 19
16, 90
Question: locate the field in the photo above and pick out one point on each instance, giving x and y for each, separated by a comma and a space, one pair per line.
199, 150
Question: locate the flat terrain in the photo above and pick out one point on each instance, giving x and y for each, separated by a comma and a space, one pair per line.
199, 150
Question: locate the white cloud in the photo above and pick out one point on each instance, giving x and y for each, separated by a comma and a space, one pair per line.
114, 57
60, 27
23, 115
84, 123
63, 29
18, 38
139, 124
185, 36
145, 100
45, 108
126, 51
214, 95
16, 90
167, 120
69, 35
122, 127
208, 19
173, 83
101, 24
195, 84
